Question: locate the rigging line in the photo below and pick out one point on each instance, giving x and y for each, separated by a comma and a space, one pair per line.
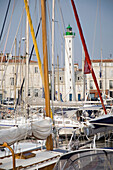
19, 49
29, 62
49, 62
36, 37
5, 19
95, 31
49, 16
63, 24
8, 32
12, 47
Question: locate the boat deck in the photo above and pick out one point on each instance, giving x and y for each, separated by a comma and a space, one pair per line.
30, 158
42, 159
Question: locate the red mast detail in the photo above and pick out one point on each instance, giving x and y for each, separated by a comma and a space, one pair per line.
86, 53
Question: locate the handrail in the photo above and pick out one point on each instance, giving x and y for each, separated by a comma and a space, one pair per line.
12, 151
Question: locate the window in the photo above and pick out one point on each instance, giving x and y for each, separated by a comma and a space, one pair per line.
60, 78
91, 84
100, 83
12, 81
67, 122
111, 93
69, 64
29, 92
36, 92
69, 49
70, 56
78, 78
70, 79
69, 41
86, 84
36, 69
100, 73
111, 84
12, 69
92, 95
70, 87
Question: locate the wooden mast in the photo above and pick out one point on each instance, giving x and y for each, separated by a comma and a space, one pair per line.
49, 142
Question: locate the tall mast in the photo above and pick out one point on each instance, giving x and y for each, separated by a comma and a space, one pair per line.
86, 53
58, 78
53, 18
27, 55
15, 73
49, 142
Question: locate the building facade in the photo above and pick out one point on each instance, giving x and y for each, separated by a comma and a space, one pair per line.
84, 85
104, 73
12, 73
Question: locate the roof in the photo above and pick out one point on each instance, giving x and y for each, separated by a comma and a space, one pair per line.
69, 27
104, 61
18, 59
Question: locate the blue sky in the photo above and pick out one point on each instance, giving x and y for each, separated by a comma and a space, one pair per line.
87, 11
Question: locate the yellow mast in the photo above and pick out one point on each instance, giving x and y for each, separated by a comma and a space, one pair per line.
34, 39
49, 142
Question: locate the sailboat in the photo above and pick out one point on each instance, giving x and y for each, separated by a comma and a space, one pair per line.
39, 159
88, 158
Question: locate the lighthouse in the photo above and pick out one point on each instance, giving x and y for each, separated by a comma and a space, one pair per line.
69, 65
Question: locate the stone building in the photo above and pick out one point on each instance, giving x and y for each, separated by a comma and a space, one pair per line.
12, 73
104, 73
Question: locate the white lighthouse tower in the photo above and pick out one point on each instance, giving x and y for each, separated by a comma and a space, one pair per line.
69, 65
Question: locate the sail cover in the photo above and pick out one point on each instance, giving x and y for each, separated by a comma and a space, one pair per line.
39, 129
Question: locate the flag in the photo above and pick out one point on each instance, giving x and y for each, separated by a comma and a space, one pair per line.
87, 69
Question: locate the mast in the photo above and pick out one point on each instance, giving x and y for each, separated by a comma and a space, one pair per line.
53, 18
49, 142
58, 77
84, 77
15, 73
86, 53
27, 55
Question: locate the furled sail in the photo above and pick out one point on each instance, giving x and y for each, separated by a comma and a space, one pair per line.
39, 129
